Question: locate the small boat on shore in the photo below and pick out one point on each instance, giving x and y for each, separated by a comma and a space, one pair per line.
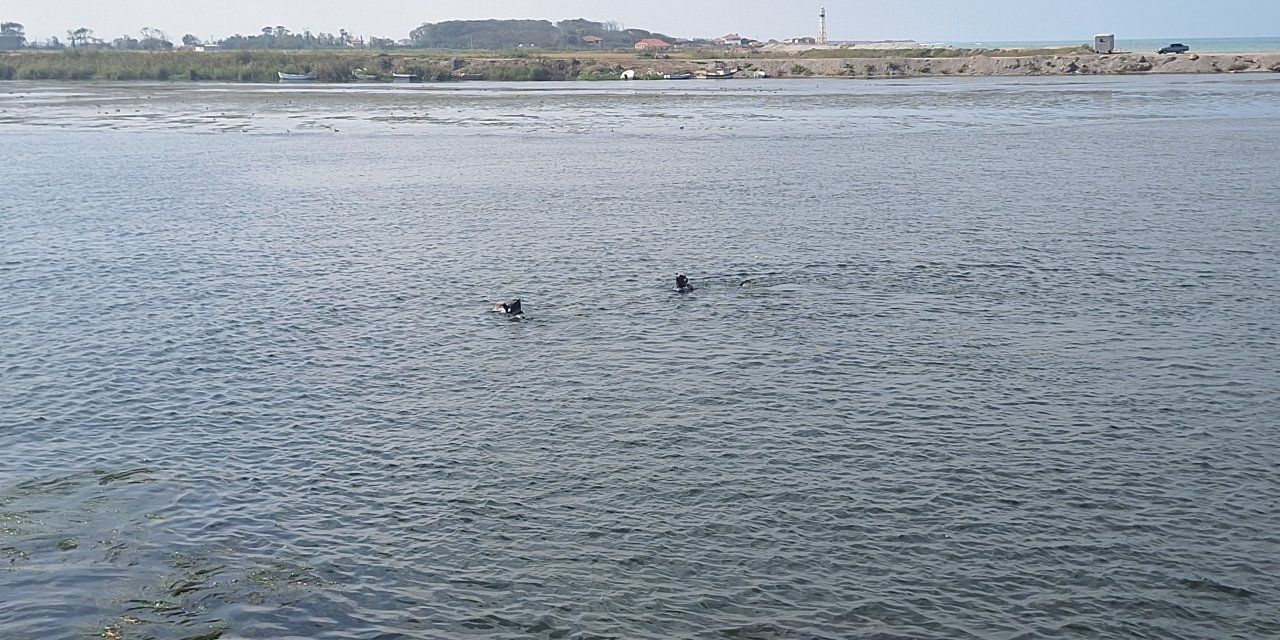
296, 77
360, 75
716, 74
404, 77
683, 75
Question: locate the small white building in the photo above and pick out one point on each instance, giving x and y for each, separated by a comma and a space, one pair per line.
1104, 43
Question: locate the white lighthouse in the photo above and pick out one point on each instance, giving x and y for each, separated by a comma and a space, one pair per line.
822, 25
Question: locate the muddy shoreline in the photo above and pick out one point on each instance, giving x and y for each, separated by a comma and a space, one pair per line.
263, 67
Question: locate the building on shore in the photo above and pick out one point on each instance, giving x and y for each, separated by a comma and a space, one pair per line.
10, 42
732, 40
1104, 43
653, 44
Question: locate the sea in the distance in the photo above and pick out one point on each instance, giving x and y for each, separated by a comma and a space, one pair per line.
1141, 45
968, 358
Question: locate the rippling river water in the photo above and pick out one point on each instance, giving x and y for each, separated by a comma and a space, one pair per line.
979, 358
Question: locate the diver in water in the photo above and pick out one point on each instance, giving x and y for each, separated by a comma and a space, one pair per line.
510, 308
682, 283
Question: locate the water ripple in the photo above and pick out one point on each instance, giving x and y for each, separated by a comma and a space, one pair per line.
961, 373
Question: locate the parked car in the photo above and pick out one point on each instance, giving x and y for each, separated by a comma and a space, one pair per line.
1176, 47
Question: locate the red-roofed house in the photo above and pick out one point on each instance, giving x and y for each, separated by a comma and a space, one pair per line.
592, 41
653, 44
732, 40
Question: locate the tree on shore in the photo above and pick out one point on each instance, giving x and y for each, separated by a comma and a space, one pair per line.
154, 40
282, 38
79, 37
503, 34
190, 40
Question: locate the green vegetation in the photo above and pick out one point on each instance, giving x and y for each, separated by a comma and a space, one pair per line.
507, 34
224, 66
262, 66
282, 38
512, 73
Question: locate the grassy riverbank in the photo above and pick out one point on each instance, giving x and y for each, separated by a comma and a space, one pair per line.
439, 66
223, 66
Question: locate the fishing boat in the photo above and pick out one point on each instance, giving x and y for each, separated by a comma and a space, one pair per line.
683, 75
296, 77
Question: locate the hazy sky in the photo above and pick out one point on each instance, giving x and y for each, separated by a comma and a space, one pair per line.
923, 20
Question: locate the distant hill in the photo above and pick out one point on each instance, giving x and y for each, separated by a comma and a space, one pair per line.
508, 34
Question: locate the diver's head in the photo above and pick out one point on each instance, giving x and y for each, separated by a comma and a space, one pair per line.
682, 280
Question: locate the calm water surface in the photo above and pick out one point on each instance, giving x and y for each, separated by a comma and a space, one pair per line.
1004, 364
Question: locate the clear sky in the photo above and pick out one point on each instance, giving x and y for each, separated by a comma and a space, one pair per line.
922, 20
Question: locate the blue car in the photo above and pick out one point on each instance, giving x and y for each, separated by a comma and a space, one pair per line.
1176, 47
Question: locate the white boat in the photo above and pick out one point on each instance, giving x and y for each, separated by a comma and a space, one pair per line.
296, 77
716, 74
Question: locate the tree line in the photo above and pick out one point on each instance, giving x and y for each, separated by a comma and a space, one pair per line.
507, 34
452, 34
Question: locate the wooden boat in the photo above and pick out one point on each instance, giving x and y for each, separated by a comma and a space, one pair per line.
683, 75
404, 77
296, 77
